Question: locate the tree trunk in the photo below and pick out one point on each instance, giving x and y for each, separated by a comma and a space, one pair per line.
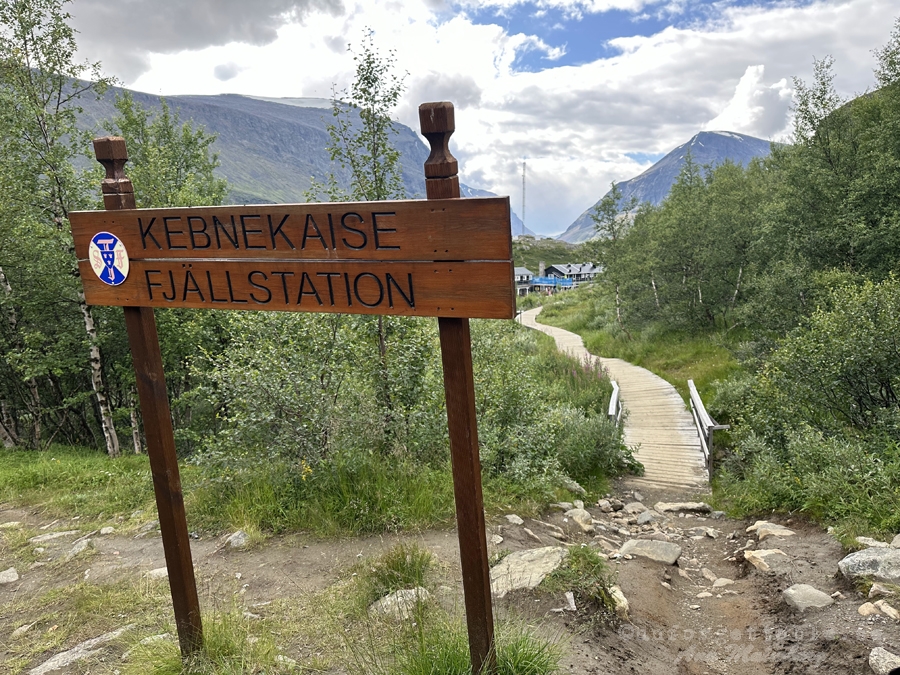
655, 291
106, 421
737, 287
35, 404
135, 427
7, 431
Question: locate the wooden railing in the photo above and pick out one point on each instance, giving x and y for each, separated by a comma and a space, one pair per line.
615, 404
706, 425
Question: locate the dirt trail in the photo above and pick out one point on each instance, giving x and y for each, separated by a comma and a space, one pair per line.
657, 425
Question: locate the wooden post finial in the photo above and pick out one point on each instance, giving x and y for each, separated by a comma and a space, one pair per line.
117, 189
437, 122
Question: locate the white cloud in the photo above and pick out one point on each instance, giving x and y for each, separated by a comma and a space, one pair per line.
756, 108
576, 124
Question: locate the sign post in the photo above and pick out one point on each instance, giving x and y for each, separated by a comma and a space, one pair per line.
444, 257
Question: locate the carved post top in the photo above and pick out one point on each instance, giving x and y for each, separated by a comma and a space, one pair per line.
117, 189
437, 122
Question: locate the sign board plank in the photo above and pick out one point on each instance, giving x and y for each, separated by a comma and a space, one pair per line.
451, 229
473, 289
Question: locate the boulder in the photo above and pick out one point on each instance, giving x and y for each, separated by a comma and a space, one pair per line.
682, 507
766, 560
634, 508
877, 564
525, 569
659, 551
882, 662
513, 519
868, 542
803, 597
582, 519
9, 576
895, 542
239, 539
400, 604
764, 529
867, 609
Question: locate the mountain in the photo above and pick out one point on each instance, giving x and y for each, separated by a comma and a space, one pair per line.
707, 148
269, 148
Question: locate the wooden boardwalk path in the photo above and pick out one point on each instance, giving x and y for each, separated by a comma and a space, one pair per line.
657, 424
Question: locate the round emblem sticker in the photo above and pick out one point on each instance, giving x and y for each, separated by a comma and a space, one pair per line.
109, 259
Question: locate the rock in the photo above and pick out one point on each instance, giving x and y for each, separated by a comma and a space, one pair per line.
867, 609
11, 525
617, 504
525, 569
648, 516
578, 504
104, 531
21, 630
655, 536
634, 508
682, 507
581, 518
659, 551
77, 653
877, 564
400, 604
496, 539
564, 506
253, 617
158, 573
694, 606
837, 595
667, 585
513, 519
41, 538
704, 594
239, 539
722, 581
803, 597
895, 542
80, 547
708, 574
868, 542
533, 535
9, 576
572, 486
638, 497
620, 601
882, 662
717, 515
764, 529
766, 559
880, 590
605, 506
887, 610
703, 532
149, 527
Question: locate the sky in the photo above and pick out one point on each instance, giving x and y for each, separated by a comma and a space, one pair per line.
584, 91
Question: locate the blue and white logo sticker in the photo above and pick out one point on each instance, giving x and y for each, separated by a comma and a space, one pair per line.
109, 259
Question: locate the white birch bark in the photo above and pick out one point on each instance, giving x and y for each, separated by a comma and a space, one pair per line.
106, 421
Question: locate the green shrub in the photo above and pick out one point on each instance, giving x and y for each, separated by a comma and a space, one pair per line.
404, 566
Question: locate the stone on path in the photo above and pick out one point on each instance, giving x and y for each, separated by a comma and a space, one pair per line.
867, 609
878, 564
868, 542
881, 590
765, 559
704, 594
620, 601
648, 516
41, 538
77, 653
638, 496
803, 597
21, 630
158, 573
400, 604
239, 539
708, 574
581, 518
11, 525
76, 549
887, 610
882, 662
659, 551
764, 529
682, 507
634, 508
496, 539
9, 576
895, 543
525, 569
513, 519
722, 581
104, 531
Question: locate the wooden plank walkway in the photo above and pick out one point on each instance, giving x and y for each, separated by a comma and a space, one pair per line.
658, 426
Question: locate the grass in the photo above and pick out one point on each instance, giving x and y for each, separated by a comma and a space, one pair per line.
676, 356
402, 567
587, 575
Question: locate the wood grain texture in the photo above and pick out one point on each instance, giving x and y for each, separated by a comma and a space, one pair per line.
470, 289
437, 124
140, 323
453, 229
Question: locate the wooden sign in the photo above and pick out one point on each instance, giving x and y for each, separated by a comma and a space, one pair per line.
448, 257
445, 257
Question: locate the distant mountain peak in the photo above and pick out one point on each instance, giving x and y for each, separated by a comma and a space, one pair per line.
653, 185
